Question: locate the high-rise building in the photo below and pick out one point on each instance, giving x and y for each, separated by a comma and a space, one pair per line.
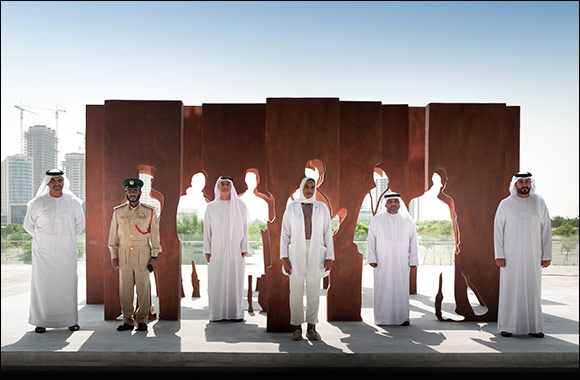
74, 169
382, 185
41, 145
416, 208
17, 186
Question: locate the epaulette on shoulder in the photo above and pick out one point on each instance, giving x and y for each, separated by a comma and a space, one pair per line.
147, 206
119, 206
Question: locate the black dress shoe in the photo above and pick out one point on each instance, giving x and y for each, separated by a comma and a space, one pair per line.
40, 330
538, 335
124, 327
506, 334
142, 326
406, 323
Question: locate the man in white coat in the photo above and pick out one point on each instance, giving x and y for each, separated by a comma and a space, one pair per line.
392, 250
225, 237
307, 252
54, 219
523, 246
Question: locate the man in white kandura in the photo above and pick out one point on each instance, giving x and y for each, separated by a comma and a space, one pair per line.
225, 237
523, 246
54, 219
392, 250
307, 252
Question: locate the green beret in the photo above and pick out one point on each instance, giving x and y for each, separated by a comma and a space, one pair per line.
132, 183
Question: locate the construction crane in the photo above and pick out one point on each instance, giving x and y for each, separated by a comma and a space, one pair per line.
56, 111
22, 110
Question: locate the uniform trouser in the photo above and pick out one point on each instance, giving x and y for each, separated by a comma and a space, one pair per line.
129, 278
297, 298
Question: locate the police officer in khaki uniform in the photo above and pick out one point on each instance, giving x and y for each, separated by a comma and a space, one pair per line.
134, 245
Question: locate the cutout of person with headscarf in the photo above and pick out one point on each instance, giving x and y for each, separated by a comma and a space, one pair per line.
307, 252
523, 246
392, 251
54, 218
225, 244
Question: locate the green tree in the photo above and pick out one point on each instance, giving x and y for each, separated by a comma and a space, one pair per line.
361, 228
254, 228
15, 232
557, 221
566, 229
434, 227
26, 256
189, 224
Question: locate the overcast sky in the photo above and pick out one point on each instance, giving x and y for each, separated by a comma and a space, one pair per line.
66, 55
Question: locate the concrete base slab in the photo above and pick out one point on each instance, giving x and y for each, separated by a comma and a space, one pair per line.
195, 345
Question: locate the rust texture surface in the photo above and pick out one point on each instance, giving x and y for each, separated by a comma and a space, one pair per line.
470, 147
473, 147
145, 133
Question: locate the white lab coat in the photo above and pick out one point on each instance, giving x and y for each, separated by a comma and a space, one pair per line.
523, 237
393, 246
293, 240
54, 224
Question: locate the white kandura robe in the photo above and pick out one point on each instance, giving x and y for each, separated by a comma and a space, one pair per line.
54, 224
227, 266
523, 237
393, 246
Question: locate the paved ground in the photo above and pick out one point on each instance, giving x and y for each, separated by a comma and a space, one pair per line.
194, 346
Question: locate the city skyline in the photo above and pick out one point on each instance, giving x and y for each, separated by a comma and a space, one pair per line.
518, 53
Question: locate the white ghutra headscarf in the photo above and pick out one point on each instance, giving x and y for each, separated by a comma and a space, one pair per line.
43, 189
237, 222
402, 207
514, 191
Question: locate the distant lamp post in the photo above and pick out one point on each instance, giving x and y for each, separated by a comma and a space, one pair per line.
83, 148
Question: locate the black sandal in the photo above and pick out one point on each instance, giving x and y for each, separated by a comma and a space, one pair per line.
74, 328
40, 330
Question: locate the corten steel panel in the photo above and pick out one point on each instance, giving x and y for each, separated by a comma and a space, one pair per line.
512, 142
467, 147
233, 141
191, 145
395, 148
297, 131
396, 153
96, 233
417, 168
147, 133
417, 165
360, 131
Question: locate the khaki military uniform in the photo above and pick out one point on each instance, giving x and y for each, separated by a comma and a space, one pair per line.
134, 239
